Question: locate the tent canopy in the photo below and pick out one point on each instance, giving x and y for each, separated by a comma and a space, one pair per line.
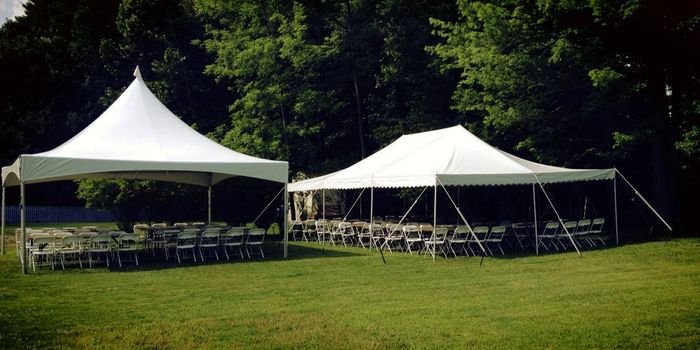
454, 156
137, 137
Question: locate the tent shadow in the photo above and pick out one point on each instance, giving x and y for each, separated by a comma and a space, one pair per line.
274, 251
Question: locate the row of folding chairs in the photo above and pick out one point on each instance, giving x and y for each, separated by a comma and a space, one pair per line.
233, 242
47, 249
578, 232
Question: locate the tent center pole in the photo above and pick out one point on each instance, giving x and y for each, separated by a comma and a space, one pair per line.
2, 234
209, 200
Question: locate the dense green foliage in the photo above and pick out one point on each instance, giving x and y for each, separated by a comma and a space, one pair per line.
636, 296
324, 83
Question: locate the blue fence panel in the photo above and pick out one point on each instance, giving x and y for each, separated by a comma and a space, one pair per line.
37, 214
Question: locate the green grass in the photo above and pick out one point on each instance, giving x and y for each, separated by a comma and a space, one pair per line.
635, 296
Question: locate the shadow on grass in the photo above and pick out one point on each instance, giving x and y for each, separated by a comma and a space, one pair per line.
274, 251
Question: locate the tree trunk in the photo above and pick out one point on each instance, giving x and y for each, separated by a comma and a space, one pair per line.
360, 130
664, 160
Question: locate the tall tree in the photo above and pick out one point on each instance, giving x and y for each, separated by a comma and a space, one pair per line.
593, 76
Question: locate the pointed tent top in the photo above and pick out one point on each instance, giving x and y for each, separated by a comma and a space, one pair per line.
137, 73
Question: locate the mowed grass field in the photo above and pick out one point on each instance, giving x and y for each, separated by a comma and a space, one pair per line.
634, 296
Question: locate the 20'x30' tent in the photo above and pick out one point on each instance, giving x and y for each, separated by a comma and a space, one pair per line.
138, 137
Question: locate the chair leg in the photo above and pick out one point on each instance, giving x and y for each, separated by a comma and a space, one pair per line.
119, 258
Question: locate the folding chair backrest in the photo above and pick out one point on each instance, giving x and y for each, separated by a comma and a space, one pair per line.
159, 225
256, 235
210, 236
583, 225
320, 226
49, 229
170, 236
394, 230
100, 241
91, 228
461, 232
519, 228
128, 240
411, 232
550, 228
186, 238
425, 229
439, 234
43, 243
234, 235
497, 232
570, 226
597, 225
481, 231
377, 229
345, 227
71, 242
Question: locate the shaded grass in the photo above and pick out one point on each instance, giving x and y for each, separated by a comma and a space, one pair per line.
634, 296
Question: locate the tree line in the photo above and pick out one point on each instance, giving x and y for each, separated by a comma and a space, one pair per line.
323, 84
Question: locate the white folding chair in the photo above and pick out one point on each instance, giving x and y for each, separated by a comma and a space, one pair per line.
496, 238
186, 241
413, 238
255, 239
128, 243
394, 238
458, 240
42, 252
100, 244
70, 247
549, 234
347, 234
479, 237
435, 243
233, 240
209, 241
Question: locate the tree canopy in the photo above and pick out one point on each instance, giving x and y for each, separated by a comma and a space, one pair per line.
323, 84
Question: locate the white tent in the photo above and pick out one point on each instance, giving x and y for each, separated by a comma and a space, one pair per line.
137, 137
450, 156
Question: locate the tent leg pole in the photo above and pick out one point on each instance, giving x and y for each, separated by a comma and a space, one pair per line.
209, 201
434, 217
323, 212
371, 216
617, 233
22, 219
2, 243
534, 213
286, 234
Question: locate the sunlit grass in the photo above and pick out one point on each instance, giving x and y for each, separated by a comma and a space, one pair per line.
635, 296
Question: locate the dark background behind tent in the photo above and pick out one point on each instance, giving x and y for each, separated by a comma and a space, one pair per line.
324, 83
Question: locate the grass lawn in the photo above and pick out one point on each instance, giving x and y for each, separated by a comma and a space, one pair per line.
634, 296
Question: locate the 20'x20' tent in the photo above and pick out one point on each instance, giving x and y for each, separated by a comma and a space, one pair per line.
450, 156
137, 137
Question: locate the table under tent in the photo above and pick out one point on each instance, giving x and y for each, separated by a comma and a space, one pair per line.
137, 137
456, 157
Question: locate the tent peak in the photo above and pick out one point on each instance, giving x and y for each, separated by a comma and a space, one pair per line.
137, 73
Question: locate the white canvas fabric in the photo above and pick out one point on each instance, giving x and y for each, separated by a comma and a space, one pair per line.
453, 155
138, 137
